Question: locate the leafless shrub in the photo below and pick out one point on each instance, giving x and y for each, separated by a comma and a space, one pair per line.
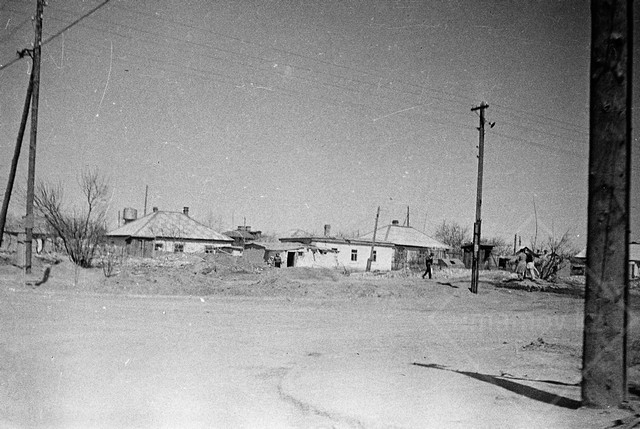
558, 253
81, 231
110, 259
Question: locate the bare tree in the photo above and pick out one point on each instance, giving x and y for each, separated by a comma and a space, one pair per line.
557, 255
81, 231
500, 245
453, 235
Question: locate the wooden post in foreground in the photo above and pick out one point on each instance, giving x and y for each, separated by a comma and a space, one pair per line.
35, 79
604, 359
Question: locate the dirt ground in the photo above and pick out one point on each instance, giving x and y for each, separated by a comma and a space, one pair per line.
203, 342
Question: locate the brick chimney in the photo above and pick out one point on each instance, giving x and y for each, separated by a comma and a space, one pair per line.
327, 230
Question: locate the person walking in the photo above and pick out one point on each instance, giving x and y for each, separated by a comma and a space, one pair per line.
428, 262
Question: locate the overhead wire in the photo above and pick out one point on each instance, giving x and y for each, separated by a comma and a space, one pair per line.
206, 73
57, 34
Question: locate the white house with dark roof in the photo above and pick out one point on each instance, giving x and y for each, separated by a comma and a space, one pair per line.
340, 253
411, 246
164, 231
579, 261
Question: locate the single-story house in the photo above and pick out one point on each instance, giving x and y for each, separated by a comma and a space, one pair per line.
14, 238
340, 253
579, 261
411, 246
164, 231
243, 235
295, 254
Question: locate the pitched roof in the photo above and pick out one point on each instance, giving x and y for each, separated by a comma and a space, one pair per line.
404, 236
168, 225
240, 234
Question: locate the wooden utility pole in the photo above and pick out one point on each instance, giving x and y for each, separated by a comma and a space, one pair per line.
16, 157
146, 193
604, 358
475, 261
37, 45
373, 242
408, 216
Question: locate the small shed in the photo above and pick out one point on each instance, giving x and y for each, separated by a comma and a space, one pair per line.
486, 261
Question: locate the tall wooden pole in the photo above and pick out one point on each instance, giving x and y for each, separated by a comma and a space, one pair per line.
373, 242
34, 132
475, 260
16, 157
604, 359
146, 193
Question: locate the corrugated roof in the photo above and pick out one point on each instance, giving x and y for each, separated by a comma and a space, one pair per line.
404, 236
168, 225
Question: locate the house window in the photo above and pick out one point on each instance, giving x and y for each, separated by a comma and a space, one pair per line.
178, 247
208, 248
158, 246
375, 255
354, 254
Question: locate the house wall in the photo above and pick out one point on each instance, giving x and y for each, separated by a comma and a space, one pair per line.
384, 256
309, 258
189, 246
148, 248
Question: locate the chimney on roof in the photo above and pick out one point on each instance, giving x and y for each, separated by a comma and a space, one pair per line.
155, 209
327, 230
395, 222
129, 215
185, 210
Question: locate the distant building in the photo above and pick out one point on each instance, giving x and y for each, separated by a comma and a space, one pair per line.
295, 254
396, 247
161, 231
411, 246
340, 253
486, 261
579, 261
634, 260
243, 236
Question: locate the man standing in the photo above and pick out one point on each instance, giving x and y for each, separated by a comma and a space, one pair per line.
428, 262
277, 261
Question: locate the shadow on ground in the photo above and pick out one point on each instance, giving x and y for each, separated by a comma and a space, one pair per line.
520, 389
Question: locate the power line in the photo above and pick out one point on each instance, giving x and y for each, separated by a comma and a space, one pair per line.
49, 39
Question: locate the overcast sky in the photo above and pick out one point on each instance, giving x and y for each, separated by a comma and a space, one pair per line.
289, 114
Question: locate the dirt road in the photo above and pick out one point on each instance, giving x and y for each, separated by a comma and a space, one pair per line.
448, 359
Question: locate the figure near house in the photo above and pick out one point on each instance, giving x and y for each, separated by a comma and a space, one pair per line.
428, 263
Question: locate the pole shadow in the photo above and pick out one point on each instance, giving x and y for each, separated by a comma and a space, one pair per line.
520, 389
448, 284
